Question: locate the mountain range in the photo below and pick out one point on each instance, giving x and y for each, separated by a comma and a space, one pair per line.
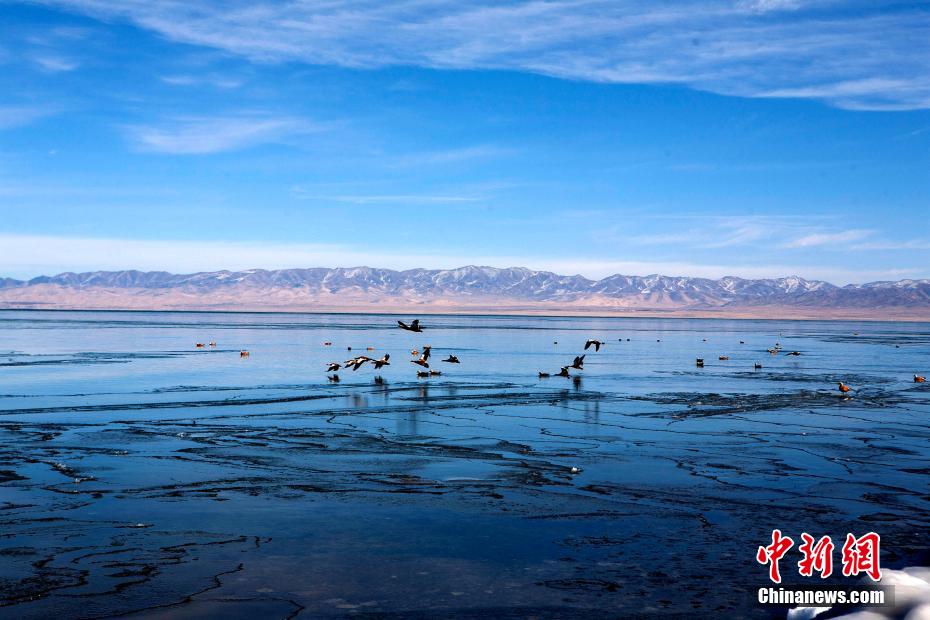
468, 288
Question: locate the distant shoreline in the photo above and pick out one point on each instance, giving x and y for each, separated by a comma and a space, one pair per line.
471, 290
745, 314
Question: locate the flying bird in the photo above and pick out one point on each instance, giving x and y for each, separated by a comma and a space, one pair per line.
421, 361
333, 367
578, 363
426, 352
452, 360
597, 344
382, 362
413, 327
357, 362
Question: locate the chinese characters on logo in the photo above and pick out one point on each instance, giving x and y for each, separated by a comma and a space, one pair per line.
860, 555
817, 557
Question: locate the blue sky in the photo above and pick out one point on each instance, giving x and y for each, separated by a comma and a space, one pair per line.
753, 138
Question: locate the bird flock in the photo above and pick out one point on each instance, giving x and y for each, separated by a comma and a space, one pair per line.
421, 359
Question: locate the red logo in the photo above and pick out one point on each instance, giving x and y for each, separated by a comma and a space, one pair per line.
860, 555
773, 553
817, 557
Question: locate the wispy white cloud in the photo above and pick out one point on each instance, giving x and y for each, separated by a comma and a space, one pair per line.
764, 6
50, 37
716, 231
451, 156
686, 237
397, 193
796, 233
179, 80
54, 49
55, 64
202, 135
393, 199
217, 81
31, 255
66, 192
910, 244
821, 239
738, 232
17, 116
869, 55
865, 94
